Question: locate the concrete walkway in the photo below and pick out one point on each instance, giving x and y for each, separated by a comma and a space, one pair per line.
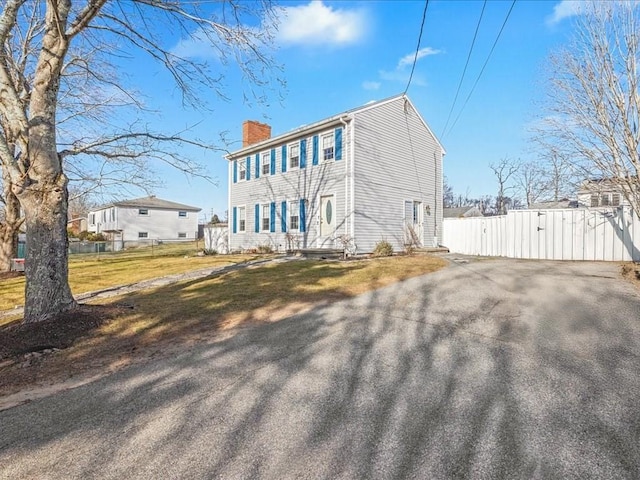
488, 369
161, 281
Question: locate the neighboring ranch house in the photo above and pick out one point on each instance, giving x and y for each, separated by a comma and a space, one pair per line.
369, 174
142, 219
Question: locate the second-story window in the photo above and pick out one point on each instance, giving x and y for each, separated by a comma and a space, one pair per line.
143, 211
266, 163
242, 169
294, 155
327, 147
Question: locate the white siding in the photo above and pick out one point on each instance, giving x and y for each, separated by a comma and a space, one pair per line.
397, 158
310, 183
571, 234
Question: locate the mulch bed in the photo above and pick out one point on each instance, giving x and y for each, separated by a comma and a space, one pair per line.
59, 333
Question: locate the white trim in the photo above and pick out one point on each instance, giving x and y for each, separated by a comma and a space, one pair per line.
262, 229
288, 159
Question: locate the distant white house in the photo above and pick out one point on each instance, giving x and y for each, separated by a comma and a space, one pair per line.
462, 212
368, 174
602, 193
147, 218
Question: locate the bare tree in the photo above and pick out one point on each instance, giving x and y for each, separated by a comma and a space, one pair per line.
531, 181
593, 115
49, 49
447, 194
505, 171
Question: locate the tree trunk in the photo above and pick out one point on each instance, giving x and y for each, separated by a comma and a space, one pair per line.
10, 227
47, 285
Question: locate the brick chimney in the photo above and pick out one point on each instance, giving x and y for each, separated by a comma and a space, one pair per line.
254, 132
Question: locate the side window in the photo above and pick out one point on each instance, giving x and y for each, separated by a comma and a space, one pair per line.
182, 235
143, 235
242, 219
143, 211
182, 214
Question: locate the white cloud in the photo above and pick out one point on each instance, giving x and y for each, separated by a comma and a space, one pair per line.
565, 9
402, 76
423, 52
196, 45
319, 24
371, 85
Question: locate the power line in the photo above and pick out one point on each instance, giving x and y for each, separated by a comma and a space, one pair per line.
483, 67
464, 71
415, 58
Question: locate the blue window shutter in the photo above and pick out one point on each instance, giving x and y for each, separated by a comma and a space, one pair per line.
315, 150
303, 216
235, 171
235, 221
272, 219
283, 215
303, 153
257, 217
249, 168
257, 165
273, 161
338, 143
284, 158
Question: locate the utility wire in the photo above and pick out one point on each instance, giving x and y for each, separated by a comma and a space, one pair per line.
464, 71
483, 67
415, 58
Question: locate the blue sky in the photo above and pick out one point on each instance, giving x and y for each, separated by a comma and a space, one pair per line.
340, 55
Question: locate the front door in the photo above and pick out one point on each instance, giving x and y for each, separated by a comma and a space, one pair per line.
327, 220
413, 223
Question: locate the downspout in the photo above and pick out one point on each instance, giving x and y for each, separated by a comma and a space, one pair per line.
229, 209
346, 179
352, 143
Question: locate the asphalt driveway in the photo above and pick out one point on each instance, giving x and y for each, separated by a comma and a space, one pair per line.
487, 369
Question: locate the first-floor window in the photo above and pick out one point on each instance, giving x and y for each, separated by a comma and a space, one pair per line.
182, 235
143, 235
265, 217
242, 219
294, 215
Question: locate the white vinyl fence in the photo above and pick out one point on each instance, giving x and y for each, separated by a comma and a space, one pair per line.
570, 234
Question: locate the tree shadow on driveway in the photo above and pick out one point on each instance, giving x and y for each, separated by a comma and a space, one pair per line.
487, 370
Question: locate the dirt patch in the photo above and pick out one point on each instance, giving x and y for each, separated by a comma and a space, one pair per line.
631, 271
9, 275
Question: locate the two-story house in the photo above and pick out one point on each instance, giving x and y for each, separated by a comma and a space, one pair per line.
141, 219
606, 192
369, 174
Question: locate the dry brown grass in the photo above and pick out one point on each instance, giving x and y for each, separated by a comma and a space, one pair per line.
91, 272
166, 319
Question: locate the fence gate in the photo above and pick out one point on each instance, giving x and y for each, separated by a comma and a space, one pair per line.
569, 234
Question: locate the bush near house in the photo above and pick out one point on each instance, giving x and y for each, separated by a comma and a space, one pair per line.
383, 249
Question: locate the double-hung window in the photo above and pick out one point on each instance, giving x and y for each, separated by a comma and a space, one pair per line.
615, 199
266, 217
294, 155
242, 169
242, 219
328, 150
294, 216
266, 163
